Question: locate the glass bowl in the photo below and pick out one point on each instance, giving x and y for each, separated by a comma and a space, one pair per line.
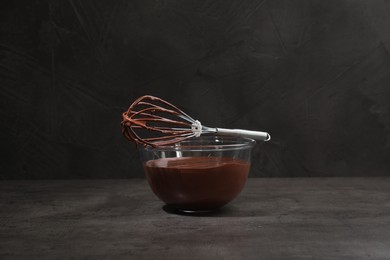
199, 174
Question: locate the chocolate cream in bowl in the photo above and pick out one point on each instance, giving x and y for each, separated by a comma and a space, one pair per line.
197, 183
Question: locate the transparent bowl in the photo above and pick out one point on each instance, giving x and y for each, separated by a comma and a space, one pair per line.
200, 174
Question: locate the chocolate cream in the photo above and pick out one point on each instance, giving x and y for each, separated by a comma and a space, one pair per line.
196, 183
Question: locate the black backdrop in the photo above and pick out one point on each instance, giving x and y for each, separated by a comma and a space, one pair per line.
315, 74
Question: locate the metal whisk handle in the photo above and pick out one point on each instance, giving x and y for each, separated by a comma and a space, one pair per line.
257, 135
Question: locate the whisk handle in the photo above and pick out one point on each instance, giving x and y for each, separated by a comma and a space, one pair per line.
257, 135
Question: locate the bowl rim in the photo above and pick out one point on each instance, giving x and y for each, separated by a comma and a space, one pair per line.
231, 143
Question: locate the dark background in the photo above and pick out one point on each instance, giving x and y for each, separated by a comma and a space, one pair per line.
315, 74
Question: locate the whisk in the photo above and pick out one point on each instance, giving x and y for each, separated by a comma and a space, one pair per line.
153, 121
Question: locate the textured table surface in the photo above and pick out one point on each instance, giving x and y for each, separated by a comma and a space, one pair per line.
304, 218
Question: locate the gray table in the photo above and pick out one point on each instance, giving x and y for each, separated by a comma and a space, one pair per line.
321, 218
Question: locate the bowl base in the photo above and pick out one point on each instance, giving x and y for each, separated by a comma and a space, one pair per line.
182, 211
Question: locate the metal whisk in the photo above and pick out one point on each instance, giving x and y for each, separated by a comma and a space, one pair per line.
153, 121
